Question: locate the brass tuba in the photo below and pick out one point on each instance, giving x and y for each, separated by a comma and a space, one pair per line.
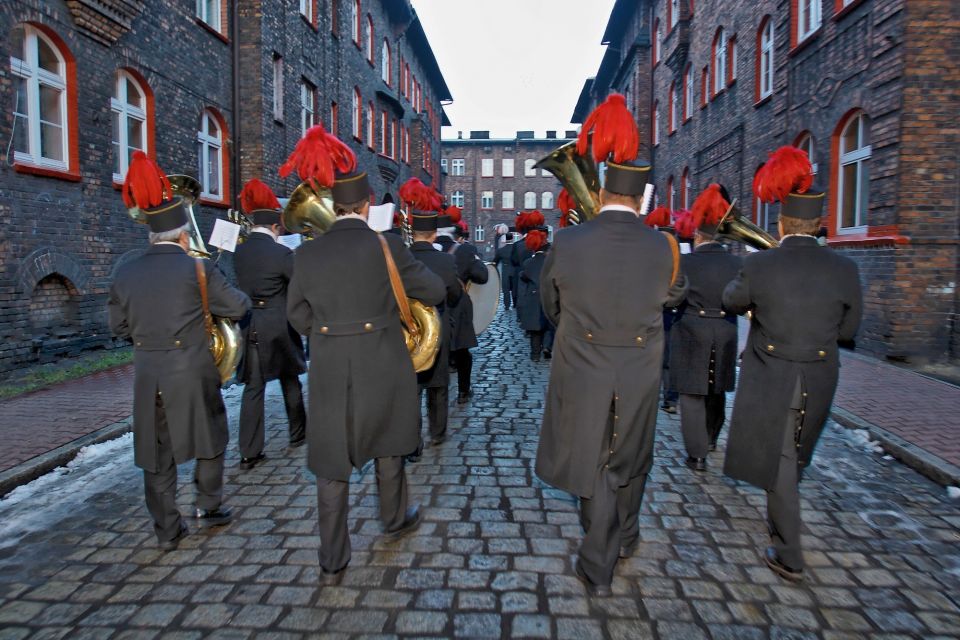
225, 341
734, 225
578, 174
310, 210
423, 339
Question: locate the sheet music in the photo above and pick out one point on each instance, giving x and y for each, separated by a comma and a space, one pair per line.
225, 235
381, 216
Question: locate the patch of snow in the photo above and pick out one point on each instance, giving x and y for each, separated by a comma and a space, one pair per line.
860, 438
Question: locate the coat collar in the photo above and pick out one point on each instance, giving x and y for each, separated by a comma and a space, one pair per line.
422, 245
710, 247
800, 242
347, 224
165, 248
617, 215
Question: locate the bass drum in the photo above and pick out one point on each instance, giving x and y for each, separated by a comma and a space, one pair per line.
485, 298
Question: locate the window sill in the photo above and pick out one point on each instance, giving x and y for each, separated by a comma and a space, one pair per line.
207, 27
888, 235
671, 133
762, 101
47, 172
219, 204
357, 45
803, 44
687, 119
313, 25
845, 11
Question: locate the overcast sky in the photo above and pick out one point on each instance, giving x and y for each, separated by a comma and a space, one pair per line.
514, 64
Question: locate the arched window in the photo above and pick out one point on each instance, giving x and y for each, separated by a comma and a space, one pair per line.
688, 92
807, 14
129, 113
212, 165
355, 21
671, 194
673, 108
719, 61
764, 63
685, 189
371, 125
530, 200
528, 167
457, 199
385, 62
44, 97
546, 200
853, 172
656, 123
406, 81
369, 38
657, 40
357, 113
805, 142
673, 13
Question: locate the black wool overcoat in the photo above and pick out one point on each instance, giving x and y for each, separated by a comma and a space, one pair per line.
470, 268
703, 325
443, 265
363, 389
155, 302
264, 268
804, 298
532, 317
604, 285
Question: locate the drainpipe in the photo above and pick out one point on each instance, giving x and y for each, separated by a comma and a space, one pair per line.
235, 98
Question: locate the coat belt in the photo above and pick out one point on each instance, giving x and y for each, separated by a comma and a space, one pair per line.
709, 313
268, 303
355, 328
637, 338
168, 344
794, 353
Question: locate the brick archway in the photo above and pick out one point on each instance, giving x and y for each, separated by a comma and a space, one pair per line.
46, 261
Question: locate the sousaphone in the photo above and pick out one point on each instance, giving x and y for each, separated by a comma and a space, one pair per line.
485, 298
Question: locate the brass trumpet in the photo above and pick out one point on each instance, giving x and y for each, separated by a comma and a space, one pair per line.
310, 210
579, 175
734, 225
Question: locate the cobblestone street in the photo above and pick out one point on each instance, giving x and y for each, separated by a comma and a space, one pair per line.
493, 558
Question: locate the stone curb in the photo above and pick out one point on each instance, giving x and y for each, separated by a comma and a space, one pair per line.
921, 460
46, 462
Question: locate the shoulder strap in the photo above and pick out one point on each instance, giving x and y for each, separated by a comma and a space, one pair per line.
675, 250
397, 285
202, 279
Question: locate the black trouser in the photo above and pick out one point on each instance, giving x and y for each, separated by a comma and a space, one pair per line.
783, 501
506, 284
332, 510
438, 401
541, 341
701, 418
252, 428
463, 361
160, 487
669, 396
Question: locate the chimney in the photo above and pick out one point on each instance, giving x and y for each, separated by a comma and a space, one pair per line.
524, 135
571, 133
479, 135
459, 135
551, 135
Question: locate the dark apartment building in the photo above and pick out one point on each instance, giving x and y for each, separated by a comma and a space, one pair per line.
217, 89
493, 179
869, 88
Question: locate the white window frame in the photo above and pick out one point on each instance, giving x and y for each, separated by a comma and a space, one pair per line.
506, 200
277, 87
356, 114
859, 157
806, 144
371, 47
479, 233
688, 94
215, 20
674, 13
371, 126
657, 43
486, 200
656, 124
210, 144
506, 167
808, 13
672, 193
36, 77
457, 198
385, 62
674, 107
308, 104
443, 163
685, 200
546, 200
529, 167
121, 108
306, 10
530, 200
763, 214
767, 60
544, 173
355, 26
732, 53
458, 167
720, 62
486, 168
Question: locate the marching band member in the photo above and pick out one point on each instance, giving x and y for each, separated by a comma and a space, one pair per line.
273, 350
804, 299
519, 252
362, 385
507, 272
604, 285
532, 318
703, 339
661, 218
156, 301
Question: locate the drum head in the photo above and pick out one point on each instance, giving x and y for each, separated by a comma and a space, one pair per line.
486, 299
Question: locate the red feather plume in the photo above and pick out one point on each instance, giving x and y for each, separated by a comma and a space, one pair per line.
318, 156
787, 170
684, 224
462, 224
146, 185
659, 217
420, 196
535, 219
614, 131
565, 201
709, 207
521, 221
535, 239
257, 195
455, 213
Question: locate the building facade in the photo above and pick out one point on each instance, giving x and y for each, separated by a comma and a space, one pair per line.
493, 179
864, 87
216, 89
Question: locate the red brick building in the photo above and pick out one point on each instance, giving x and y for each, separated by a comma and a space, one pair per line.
220, 90
493, 179
869, 88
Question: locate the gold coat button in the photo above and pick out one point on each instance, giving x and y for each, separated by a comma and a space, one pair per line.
639, 339
611, 451
589, 336
723, 314
614, 435
804, 394
176, 342
260, 302
368, 326
324, 329
769, 347
822, 354
702, 312
616, 417
139, 344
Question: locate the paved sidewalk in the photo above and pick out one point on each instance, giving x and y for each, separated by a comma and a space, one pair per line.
39, 422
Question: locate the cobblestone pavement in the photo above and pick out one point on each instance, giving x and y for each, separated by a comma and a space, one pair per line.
493, 556
38, 422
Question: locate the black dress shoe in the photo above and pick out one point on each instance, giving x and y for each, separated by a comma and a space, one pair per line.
173, 543
410, 524
438, 440
697, 464
713, 446
249, 463
599, 590
535, 357
296, 444
669, 408
547, 354
331, 578
213, 517
778, 567
627, 550
463, 398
